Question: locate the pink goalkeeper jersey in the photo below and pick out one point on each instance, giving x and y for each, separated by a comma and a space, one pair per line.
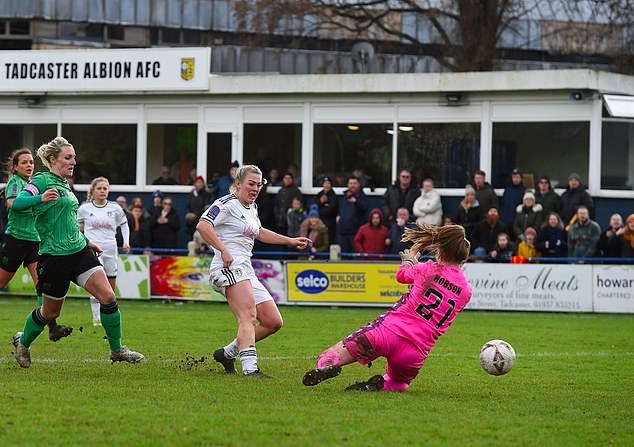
437, 295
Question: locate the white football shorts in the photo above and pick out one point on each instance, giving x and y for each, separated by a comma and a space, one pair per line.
109, 261
220, 278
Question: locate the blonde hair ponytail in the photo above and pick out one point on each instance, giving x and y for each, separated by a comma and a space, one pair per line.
51, 149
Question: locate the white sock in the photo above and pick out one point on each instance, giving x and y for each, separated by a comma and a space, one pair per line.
231, 350
94, 306
249, 359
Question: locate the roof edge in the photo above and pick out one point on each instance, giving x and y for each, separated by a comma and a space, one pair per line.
495, 81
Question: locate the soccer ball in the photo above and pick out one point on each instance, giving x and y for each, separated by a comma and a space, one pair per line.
497, 357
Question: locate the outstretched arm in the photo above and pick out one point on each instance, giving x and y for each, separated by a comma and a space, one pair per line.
271, 237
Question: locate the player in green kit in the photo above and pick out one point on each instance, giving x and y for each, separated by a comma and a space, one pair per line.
65, 254
21, 241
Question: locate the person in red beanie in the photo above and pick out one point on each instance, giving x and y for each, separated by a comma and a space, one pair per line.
371, 236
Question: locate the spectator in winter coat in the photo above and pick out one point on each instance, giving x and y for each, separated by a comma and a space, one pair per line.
546, 197
401, 194
574, 197
122, 201
138, 201
328, 206
264, 201
487, 231
607, 246
583, 236
165, 178
371, 236
527, 247
395, 233
469, 214
284, 200
224, 182
353, 209
484, 192
625, 238
503, 250
528, 214
295, 215
164, 226
551, 240
199, 200
513, 196
157, 203
428, 207
139, 229
314, 229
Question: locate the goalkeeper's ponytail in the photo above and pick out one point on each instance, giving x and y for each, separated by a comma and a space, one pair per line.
448, 243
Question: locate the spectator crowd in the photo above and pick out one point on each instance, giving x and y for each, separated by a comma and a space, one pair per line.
522, 223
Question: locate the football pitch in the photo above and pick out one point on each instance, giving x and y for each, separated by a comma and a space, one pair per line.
573, 383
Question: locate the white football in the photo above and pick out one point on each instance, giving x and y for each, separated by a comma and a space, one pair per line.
497, 357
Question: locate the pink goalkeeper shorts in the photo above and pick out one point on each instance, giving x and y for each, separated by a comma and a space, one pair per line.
404, 359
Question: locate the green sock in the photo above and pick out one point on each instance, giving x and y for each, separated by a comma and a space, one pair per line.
35, 324
111, 322
51, 323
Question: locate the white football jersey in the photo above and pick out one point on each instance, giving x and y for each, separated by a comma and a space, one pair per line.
236, 226
101, 222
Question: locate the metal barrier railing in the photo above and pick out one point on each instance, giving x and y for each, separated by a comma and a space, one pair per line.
391, 257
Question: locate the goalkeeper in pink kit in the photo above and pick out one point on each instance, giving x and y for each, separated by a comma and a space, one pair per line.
405, 334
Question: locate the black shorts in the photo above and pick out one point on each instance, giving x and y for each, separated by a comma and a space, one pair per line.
56, 272
14, 252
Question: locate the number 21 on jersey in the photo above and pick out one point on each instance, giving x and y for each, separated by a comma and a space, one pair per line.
426, 310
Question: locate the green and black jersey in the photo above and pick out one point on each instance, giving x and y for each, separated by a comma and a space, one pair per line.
56, 221
21, 223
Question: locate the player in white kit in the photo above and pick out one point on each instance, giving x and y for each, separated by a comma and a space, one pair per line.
230, 226
99, 219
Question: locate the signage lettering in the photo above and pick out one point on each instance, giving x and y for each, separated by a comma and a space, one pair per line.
105, 70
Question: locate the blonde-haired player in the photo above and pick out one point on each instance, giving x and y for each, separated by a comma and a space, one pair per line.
65, 254
230, 226
99, 219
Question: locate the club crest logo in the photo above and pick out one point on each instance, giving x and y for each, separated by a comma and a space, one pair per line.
187, 68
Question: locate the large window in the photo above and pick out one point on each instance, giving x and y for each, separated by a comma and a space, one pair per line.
81, 31
448, 153
364, 150
107, 150
274, 147
555, 149
617, 155
32, 136
171, 154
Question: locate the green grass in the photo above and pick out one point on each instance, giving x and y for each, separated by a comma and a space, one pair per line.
573, 383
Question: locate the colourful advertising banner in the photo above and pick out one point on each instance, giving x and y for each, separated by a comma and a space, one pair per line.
132, 280
272, 276
188, 278
182, 277
343, 282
